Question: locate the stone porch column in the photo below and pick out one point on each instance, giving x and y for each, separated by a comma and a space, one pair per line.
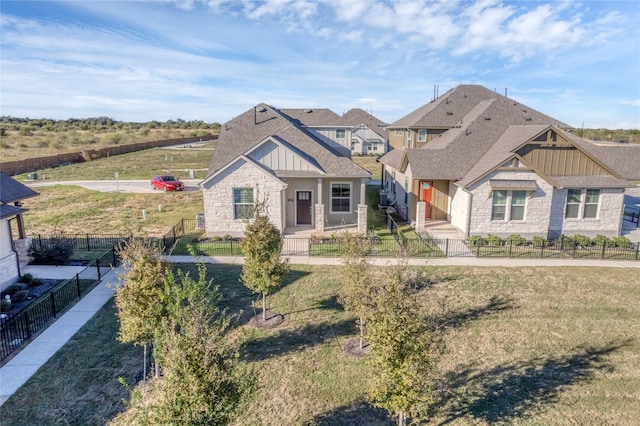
319, 217
421, 209
362, 218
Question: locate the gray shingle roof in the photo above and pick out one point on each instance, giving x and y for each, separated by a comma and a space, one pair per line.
357, 116
7, 210
11, 190
311, 117
485, 129
244, 132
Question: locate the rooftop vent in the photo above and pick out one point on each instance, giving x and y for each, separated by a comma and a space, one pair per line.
527, 119
261, 109
487, 119
308, 111
449, 113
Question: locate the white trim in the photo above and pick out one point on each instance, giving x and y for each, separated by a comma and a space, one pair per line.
331, 197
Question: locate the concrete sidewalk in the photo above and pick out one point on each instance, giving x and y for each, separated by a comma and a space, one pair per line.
25, 364
19, 369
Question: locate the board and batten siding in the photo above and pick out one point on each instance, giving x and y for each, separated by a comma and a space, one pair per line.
277, 157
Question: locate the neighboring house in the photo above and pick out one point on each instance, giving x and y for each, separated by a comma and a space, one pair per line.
356, 130
11, 194
306, 181
489, 165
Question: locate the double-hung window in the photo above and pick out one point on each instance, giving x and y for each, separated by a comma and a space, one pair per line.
499, 205
518, 201
341, 197
422, 135
243, 203
591, 204
586, 204
341, 133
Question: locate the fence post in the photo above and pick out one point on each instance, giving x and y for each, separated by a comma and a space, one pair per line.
510, 247
477, 248
604, 248
542, 248
562, 242
637, 249
26, 318
98, 268
115, 260
53, 305
78, 285
446, 248
88, 244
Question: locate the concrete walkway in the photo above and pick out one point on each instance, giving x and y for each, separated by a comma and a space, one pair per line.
25, 364
19, 369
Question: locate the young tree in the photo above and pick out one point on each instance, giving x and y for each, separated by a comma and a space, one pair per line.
203, 382
403, 346
140, 297
355, 294
263, 270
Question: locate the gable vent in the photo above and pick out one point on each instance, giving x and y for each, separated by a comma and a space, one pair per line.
487, 119
449, 113
308, 111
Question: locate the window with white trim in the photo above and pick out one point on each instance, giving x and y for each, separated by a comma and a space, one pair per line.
341, 133
243, 203
499, 205
422, 135
341, 197
582, 203
518, 201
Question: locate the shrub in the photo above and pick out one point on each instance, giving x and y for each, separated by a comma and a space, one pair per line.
601, 240
476, 240
26, 278
516, 240
14, 288
539, 242
5, 305
622, 242
494, 240
582, 240
20, 296
55, 252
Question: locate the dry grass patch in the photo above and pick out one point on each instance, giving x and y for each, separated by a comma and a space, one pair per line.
525, 346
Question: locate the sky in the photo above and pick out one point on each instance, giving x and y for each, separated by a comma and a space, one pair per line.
211, 60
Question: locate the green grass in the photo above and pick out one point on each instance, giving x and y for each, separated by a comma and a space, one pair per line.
525, 346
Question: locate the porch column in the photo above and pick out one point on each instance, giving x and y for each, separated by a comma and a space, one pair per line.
319, 217
421, 209
363, 191
362, 218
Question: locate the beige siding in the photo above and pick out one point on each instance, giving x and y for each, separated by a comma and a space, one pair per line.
557, 160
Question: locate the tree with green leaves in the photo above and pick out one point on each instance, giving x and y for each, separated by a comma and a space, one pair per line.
141, 297
203, 381
403, 344
355, 294
264, 269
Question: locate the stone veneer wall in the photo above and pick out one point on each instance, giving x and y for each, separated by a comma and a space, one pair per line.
608, 222
459, 207
8, 270
537, 208
218, 198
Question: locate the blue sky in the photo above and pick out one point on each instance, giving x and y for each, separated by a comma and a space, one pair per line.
212, 60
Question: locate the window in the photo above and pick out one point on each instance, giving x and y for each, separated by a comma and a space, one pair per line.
518, 200
406, 191
499, 205
243, 203
422, 135
591, 204
574, 197
341, 133
340, 198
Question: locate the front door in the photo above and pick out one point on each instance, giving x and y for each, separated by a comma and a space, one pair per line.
426, 189
303, 208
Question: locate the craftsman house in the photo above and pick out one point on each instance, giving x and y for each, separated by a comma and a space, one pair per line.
13, 242
305, 180
489, 165
356, 130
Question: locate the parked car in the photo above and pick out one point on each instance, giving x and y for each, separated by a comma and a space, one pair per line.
167, 183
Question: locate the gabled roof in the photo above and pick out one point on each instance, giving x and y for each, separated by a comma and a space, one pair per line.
11, 190
488, 131
7, 210
240, 135
310, 117
450, 108
357, 116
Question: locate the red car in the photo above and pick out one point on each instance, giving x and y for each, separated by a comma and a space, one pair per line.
167, 183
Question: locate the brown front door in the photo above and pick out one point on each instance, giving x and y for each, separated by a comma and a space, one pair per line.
303, 208
426, 189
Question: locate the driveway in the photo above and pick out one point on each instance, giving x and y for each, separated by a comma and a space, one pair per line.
130, 186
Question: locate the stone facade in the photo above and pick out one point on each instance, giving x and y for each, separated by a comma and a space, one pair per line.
319, 217
8, 270
219, 203
362, 218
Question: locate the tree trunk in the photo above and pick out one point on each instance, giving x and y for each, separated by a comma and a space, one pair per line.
264, 306
402, 420
144, 364
361, 332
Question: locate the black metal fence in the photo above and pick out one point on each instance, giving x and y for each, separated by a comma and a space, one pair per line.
82, 242
18, 328
632, 216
